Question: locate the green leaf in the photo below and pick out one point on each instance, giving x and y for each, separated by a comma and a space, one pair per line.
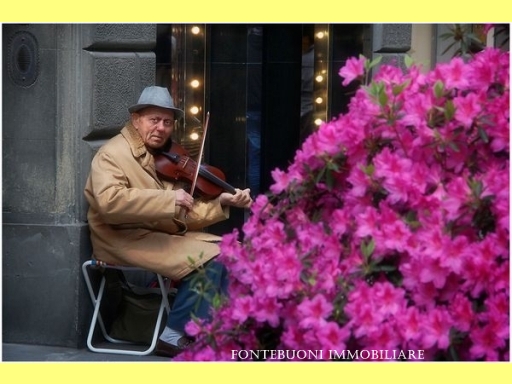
373, 63
449, 110
476, 187
368, 248
375, 89
454, 146
333, 166
320, 175
438, 88
329, 179
217, 301
385, 268
397, 89
448, 48
483, 135
369, 169
383, 97
408, 60
446, 35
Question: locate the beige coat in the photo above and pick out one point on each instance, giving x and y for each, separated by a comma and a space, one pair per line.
131, 212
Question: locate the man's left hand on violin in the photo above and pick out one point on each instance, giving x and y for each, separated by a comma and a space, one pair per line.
240, 199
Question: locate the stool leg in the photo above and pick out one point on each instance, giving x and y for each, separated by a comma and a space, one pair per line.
164, 288
96, 318
164, 306
96, 303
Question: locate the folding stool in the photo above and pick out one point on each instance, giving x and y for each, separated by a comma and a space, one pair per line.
164, 285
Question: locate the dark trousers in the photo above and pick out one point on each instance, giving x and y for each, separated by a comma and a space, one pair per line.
188, 302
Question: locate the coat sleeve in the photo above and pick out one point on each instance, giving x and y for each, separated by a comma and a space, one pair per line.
118, 202
205, 213
110, 193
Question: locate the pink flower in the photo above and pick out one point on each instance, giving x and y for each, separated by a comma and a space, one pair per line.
384, 338
409, 324
417, 107
389, 165
267, 310
368, 223
433, 272
456, 252
359, 182
353, 68
484, 69
395, 235
487, 341
390, 299
193, 328
242, 308
282, 181
454, 74
293, 337
314, 310
462, 312
467, 108
327, 139
331, 336
436, 329
315, 265
341, 221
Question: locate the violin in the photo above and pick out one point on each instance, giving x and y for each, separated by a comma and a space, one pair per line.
175, 164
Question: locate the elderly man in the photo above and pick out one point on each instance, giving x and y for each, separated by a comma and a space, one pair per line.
133, 214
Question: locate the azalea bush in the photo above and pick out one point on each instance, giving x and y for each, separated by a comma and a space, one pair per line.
390, 229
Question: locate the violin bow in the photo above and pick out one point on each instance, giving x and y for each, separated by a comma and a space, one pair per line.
200, 156
183, 213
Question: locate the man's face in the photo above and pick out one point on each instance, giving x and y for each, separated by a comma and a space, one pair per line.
155, 125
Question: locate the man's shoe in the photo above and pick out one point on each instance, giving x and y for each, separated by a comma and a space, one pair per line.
168, 350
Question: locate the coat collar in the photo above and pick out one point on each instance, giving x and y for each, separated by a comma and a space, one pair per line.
134, 140
139, 151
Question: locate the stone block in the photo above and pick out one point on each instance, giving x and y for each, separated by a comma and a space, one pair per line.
117, 80
128, 37
44, 298
392, 38
28, 180
29, 112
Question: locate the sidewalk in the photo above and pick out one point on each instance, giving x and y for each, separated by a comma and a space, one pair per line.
38, 353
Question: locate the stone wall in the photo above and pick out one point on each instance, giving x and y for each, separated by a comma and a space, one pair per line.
66, 89
391, 41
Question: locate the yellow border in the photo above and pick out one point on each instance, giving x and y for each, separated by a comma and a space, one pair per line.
241, 11
257, 372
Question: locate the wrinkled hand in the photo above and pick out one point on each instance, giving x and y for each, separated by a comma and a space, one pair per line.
241, 199
184, 199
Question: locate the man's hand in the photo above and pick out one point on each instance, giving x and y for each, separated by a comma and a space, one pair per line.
184, 199
241, 199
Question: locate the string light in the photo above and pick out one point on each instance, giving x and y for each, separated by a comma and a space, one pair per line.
195, 30
194, 110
